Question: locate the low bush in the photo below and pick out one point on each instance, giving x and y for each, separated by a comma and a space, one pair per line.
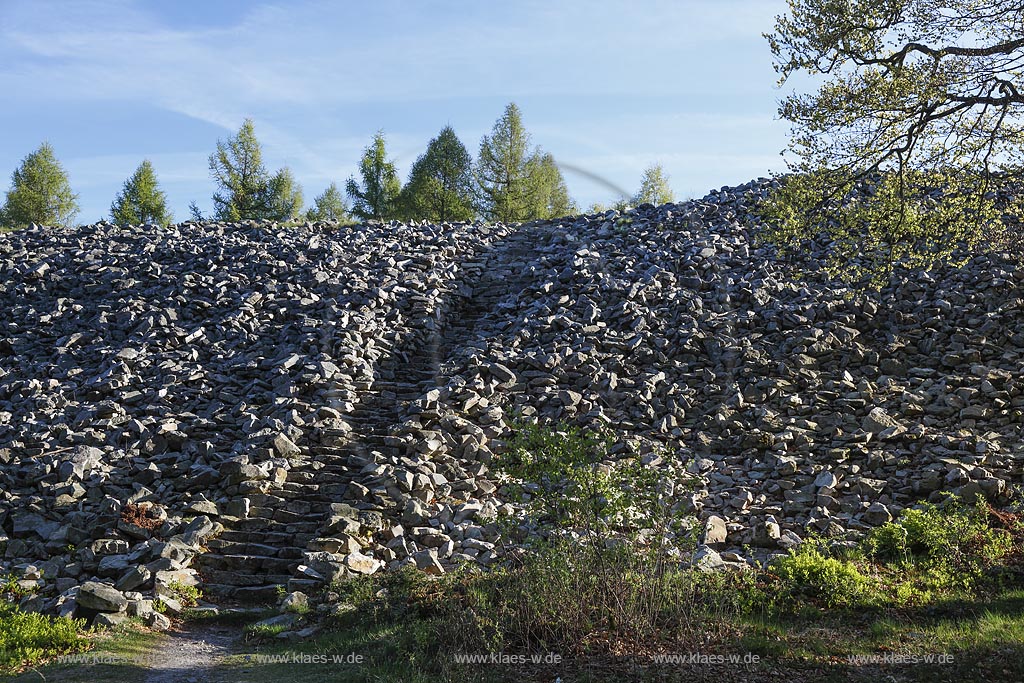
188, 595
26, 637
953, 544
11, 587
607, 541
811, 572
550, 602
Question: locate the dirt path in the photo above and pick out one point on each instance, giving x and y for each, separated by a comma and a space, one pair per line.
190, 654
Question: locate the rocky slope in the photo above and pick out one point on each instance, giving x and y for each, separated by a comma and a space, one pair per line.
248, 406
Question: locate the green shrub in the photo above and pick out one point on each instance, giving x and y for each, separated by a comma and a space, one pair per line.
603, 568
809, 572
954, 543
380, 597
187, 595
301, 609
359, 591
558, 472
28, 637
568, 482
10, 587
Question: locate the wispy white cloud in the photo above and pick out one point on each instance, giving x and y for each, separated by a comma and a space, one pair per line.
316, 53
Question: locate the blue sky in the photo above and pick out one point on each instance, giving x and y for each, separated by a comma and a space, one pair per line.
607, 87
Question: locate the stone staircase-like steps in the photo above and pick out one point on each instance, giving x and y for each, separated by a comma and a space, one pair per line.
257, 556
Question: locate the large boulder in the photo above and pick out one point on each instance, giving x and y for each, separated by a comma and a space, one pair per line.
101, 597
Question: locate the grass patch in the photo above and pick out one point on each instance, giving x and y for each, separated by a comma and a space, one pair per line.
980, 640
402, 625
387, 652
114, 655
385, 628
265, 631
26, 638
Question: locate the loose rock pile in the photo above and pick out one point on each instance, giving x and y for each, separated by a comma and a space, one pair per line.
246, 406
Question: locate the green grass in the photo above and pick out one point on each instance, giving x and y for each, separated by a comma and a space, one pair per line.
118, 653
402, 638
389, 651
401, 626
26, 638
984, 637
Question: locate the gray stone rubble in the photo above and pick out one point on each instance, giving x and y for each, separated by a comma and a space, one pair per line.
247, 406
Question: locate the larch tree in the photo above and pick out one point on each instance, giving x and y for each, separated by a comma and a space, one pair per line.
141, 200
246, 191
440, 186
517, 182
502, 170
548, 191
40, 192
283, 197
901, 154
654, 188
237, 168
376, 197
329, 206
